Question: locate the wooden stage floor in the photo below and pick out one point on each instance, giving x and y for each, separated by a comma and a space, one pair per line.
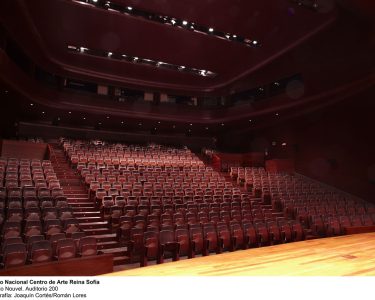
352, 255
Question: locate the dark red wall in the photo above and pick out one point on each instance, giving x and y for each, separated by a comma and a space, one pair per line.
335, 146
338, 146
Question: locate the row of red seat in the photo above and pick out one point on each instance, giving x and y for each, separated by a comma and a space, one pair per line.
15, 252
205, 238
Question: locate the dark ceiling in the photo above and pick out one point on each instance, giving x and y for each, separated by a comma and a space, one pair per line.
45, 28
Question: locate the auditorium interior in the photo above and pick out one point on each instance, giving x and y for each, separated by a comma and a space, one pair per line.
204, 138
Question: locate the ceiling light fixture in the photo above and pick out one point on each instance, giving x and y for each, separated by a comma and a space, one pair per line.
182, 23
135, 59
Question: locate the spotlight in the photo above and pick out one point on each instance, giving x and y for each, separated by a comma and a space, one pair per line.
173, 21
255, 42
95, 1
234, 36
184, 23
129, 8
210, 29
110, 54
107, 4
227, 36
203, 73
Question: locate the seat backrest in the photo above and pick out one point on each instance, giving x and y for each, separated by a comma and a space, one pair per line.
41, 251
166, 236
14, 255
87, 246
66, 248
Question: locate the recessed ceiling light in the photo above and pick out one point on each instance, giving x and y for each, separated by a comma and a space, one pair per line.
206, 128
140, 124
94, 1
182, 67
69, 112
110, 54
184, 23
222, 124
129, 8
203, 72
276, 83
135, 58
31, 104
191, 124
84, 118
107, 117
277, 114
227, 36
283, 144
158, 122
191, 26
43, 112
6, 92
210, 29
174, 126
100, 123
83, 49
255, 42
122, 122
250, 120
234, 36
58, 119
173, 21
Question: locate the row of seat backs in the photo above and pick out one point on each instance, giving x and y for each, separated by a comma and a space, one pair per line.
15, 253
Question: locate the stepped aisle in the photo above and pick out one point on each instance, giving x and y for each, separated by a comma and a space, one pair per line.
90, 218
